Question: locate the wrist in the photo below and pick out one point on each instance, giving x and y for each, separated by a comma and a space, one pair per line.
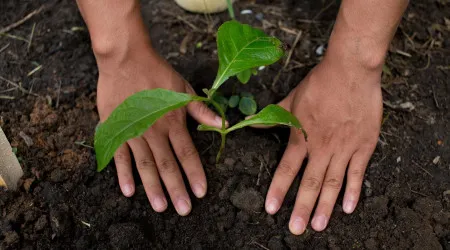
356, 51
118, 35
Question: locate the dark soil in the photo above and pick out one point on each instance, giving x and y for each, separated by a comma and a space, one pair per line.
64, 203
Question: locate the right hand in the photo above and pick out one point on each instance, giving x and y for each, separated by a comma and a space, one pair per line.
140, 68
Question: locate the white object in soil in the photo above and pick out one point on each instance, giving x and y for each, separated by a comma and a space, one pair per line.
203, 6
10, 170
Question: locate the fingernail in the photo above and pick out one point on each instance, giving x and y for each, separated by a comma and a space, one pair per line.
272, 206
349, 206
183, 207
297, 226
127, 190
219, 121
319, 222
159, 204
199, 190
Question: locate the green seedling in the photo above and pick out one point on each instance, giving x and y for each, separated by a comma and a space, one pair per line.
240, 48
245, 103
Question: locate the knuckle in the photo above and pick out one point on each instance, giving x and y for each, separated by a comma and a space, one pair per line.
177, 190
167, 166
311, 183
121, 158
356, 173
187, 152
333, 183
173, 116
203, 109
178, 131
154, 189
286, 169
144, 164
325, 139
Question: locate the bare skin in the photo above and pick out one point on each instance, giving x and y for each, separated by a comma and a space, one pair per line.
127, 64
339, 104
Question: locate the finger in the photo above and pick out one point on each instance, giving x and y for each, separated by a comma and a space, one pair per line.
190, 161
124, 171
309, 190
355, 176
286, 172
201, 113
146, 166
170, 174
330, 190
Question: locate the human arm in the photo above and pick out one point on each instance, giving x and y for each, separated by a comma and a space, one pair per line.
340, 106
127, 64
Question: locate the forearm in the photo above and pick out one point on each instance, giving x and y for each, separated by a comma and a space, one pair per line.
115, 26
364, 30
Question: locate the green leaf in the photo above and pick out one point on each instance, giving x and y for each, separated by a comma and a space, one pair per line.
270, 116
244, 76
247, 94
247, 106
222, 101
132, 118
241, 47
233, 101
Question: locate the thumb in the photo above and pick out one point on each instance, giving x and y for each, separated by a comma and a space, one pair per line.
285, 103
201, 113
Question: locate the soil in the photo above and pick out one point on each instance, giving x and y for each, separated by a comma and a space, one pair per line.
64, 203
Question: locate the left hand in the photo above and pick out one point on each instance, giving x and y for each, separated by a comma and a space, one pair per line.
340, 107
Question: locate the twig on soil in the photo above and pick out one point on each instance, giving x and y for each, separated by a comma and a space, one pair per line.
419, 193
298, 65
206, 149
59, 93
423, 169
83, 144
297, 39
260, 171
435, 98
259, 245
14, 37
416, 192
323, 10
85, 223
31, 37
23, 20
7, 97
403, 53
195, 28
4, 47
34, 70
8, 90
277, 77
17, 86
306, 21
288, 30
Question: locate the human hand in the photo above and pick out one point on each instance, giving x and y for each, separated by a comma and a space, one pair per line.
138, 69
340, 107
